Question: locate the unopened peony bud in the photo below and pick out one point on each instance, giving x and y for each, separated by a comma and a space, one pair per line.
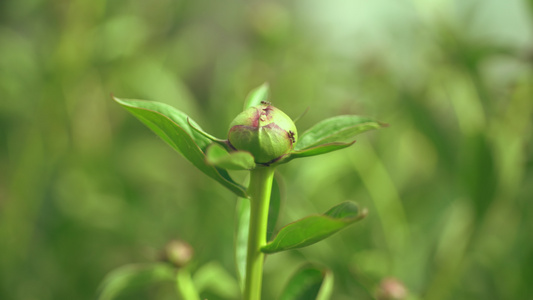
178, 253
391, 289
264, 131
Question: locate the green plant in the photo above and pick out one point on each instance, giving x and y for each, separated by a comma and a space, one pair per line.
260, 138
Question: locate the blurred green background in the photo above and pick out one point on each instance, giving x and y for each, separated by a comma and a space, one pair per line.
85, 187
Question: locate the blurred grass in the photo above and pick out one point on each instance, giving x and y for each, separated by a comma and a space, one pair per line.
84, 187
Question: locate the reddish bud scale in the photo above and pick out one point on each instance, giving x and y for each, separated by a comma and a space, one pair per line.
264, 131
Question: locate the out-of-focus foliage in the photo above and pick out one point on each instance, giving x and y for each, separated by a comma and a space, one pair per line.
85, 188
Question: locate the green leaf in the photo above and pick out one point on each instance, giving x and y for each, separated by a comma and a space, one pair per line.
274, 207
173, 127
257, 95
243, 223
134, 277
205, 134
312, 229
335, 132
310, 282
321, 149
237, 160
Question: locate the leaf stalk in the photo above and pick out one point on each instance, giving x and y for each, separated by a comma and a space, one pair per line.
184, 285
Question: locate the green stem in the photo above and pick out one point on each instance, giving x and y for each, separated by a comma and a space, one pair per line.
259, 191
185, 286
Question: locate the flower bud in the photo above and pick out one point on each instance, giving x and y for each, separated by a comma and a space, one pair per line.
264, 131
391, 289
178, 253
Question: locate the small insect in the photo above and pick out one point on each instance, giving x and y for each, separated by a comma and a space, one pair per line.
264, 102
291, 136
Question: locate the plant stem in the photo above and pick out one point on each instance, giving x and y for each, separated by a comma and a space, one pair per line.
185, 286
259, 191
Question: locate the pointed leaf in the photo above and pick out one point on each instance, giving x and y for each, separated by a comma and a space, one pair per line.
207, 135
173, 127
237, 160
317, 150
310, 282
312, 229
257, 95
134, 277
339, 130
